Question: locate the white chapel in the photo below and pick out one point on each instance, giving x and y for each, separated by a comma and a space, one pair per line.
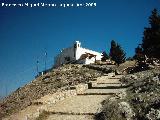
76, 54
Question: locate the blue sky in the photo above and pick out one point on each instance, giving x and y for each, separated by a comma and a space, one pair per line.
26, 33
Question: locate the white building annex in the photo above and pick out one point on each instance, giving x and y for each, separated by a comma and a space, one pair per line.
76, 54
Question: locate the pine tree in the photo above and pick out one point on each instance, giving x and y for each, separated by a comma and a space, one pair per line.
120, 55
104, 56
112, 50
139, 54
117, 53
151, 39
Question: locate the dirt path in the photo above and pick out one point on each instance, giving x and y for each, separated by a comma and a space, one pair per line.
80, 107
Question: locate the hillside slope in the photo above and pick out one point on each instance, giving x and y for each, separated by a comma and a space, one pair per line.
65, 76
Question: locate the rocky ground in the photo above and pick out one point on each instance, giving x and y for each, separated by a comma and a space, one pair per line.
141, 100
144, 94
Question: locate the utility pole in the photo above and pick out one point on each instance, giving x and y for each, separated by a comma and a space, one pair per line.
45, 62
37, 67
6, 89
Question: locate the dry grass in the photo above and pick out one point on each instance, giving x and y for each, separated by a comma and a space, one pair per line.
43, 116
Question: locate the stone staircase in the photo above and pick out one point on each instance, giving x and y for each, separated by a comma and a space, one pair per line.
86, 105
80, 106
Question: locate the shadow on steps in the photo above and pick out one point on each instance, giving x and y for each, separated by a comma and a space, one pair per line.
71, 113
109, 87
110, 83
97, 94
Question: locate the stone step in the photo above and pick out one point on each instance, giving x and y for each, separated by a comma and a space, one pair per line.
108, 81
103, 91
92, 85
81, 104
114, 85
70, 117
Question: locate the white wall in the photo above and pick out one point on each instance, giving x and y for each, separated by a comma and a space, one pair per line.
60, 58
69, 52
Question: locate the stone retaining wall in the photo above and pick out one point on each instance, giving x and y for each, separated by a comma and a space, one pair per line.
61, 94
56, 97
81, 88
